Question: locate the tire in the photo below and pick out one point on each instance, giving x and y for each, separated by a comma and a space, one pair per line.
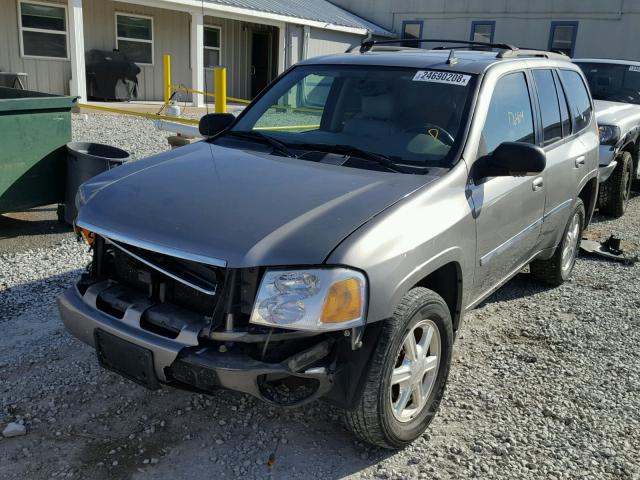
373, 420
616, 191
555, 271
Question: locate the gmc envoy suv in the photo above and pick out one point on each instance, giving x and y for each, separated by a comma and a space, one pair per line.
328, 241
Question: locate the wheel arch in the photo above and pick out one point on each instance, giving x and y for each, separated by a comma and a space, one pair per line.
446, 281
589, 196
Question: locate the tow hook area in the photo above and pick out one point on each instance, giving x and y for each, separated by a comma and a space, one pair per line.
298, 379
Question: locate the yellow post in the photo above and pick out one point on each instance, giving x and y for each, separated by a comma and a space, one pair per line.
167, 79
220, 89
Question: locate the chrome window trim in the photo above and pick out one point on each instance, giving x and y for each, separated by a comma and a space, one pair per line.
160, 269
173, 252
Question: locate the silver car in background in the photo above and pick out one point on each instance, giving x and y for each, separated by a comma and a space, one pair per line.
615, 87
329, 240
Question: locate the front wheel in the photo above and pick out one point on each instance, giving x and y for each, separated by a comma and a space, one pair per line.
558, 268
408, 373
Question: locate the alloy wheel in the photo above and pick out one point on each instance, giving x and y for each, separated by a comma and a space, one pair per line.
415, 371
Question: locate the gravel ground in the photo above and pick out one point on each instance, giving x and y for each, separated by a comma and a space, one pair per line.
545, 383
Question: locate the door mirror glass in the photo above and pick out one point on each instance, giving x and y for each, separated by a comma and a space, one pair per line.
512, 159
214, 123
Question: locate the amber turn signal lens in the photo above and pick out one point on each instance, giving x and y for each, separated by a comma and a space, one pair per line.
88, 236
343, 302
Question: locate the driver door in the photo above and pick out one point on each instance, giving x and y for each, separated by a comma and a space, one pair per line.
508, 210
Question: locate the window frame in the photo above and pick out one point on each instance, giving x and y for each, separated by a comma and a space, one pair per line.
475, 23
410, 22
22, 29
552, 30
570, 105
533, 101
127, 39
563, 137
218, 49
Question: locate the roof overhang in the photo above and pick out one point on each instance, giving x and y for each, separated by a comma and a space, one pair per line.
243, 14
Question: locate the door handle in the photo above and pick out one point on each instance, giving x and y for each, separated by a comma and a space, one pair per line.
253, 70
537, 184
580, 161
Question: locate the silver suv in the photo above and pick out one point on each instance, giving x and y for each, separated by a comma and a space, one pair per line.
328, 241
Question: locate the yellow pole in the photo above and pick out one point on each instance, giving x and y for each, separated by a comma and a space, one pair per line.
167, 79
220, 89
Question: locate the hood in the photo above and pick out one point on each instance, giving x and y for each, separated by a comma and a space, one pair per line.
615, 113
245, 209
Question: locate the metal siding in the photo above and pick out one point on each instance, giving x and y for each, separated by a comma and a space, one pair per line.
519, 22
44, 75
326, 42
316, 10
170, 36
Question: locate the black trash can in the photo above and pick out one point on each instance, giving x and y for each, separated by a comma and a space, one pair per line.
85, 161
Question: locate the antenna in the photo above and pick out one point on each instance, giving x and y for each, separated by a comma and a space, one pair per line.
452, 60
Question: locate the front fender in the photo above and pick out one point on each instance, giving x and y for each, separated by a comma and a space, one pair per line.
400, 247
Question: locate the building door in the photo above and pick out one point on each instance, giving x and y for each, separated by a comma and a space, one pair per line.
260, 61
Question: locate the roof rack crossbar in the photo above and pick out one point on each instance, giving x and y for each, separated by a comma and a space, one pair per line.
367, 45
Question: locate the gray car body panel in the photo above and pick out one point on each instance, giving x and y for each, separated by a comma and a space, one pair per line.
241, 208
456, 221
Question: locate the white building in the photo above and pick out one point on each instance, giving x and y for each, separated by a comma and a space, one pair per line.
255, 39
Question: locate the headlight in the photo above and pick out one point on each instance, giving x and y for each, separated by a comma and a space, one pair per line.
314, 299
609, 134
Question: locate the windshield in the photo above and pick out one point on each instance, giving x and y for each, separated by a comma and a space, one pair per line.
613, 82
409, 116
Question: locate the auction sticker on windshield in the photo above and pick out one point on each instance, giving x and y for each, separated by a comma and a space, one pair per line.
441, 77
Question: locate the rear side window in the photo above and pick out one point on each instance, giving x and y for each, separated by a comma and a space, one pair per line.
549, 107
510, 117
578, 96
564, 109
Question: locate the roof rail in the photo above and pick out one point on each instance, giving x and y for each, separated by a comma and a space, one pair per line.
367, 45
533, 52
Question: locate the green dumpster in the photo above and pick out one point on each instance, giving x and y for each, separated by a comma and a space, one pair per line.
34, 130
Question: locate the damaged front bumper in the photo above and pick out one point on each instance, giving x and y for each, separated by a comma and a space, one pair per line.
325, 366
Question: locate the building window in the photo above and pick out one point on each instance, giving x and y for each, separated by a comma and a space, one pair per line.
134, 37
43, 30
562, 37
483, 31
212, 47
412, 29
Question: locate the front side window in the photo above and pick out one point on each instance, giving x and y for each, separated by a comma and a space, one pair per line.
43, 30
482, 31
613, 82
563, 37
579, 101
510, 116
134, 37
412, 30
414, 117
549, 106
211, 47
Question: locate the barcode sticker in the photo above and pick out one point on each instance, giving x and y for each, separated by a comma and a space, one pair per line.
634, 68
442, 77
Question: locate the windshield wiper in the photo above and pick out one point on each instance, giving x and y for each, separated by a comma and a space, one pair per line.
277, 145
351, 151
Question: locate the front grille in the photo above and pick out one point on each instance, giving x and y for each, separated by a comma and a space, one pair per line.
134, 273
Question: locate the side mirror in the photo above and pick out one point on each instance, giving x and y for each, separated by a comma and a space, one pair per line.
214, 123
512, 159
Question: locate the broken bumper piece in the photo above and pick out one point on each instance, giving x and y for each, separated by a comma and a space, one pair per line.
181, 362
